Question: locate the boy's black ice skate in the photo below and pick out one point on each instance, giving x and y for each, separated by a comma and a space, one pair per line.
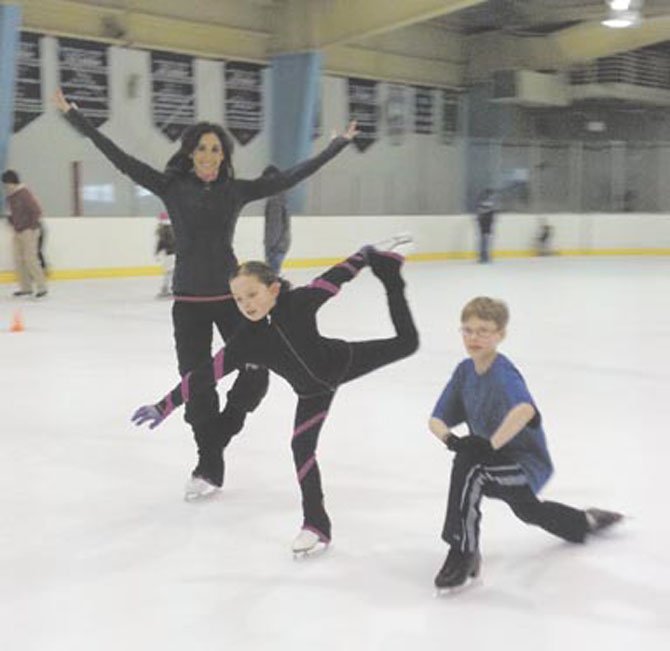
457, 569
598, 519
452, 560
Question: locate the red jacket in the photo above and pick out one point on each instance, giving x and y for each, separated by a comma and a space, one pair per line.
24, 209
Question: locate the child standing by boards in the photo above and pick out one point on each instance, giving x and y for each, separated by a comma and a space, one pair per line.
165, 250
505, 456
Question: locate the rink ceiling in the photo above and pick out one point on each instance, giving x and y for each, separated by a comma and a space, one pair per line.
440, 43
99, 551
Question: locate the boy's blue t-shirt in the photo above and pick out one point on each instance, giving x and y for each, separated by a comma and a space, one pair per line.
483, 401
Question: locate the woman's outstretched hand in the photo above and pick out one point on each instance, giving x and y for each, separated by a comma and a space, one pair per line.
351, 131
61, 103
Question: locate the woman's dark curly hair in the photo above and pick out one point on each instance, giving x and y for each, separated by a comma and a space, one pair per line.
182, 163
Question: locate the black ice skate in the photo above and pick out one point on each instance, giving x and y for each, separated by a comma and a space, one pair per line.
453, 558
597, 519
457, 569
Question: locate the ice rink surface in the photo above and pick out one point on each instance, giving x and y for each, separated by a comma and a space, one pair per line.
99, 552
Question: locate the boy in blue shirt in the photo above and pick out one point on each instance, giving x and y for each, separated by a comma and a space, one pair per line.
505, 456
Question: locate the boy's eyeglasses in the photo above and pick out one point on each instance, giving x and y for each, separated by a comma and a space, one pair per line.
480, 333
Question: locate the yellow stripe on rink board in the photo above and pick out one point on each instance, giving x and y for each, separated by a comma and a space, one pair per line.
614, 252
110, 272
471, 255
304, 263
79, 274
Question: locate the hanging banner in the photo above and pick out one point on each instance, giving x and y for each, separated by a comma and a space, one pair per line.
423, 110
363, 107
172, 93
28, 92
396, 113
243, 100
449, 115
83, 74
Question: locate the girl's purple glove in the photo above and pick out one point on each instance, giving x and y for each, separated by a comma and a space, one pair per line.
148, 413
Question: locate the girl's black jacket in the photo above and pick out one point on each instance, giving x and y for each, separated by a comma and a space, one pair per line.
286, 341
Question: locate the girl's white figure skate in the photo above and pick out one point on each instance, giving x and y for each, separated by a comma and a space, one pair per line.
308, 543
402, 243
198, 488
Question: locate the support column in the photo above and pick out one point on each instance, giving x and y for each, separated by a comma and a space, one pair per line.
10, 25
295, 89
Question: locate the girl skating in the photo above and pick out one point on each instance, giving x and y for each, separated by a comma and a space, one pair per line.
280, 333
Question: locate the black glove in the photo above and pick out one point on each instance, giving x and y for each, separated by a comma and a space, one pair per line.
476, 446
454, 442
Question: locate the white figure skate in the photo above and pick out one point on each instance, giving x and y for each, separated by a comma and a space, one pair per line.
402, 243
198, 488
308, 543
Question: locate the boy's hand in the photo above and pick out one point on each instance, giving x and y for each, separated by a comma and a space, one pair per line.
438, 428
453, 442
476, 446
151, 414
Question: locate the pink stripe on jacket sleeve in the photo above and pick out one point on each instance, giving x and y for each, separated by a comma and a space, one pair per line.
319, 283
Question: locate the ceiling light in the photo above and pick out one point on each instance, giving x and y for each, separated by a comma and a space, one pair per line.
620, 19
623, 13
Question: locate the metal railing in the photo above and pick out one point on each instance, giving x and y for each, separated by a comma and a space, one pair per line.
574, 176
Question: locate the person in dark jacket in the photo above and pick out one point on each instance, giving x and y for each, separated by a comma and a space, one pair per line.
280, 332
486, 212
277, 236
204, 200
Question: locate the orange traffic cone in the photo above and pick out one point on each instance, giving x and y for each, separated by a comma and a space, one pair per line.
17, 322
